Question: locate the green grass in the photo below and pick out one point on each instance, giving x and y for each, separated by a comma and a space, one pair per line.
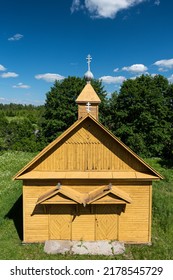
10, 192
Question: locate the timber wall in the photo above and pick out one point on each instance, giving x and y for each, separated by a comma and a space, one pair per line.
133, 225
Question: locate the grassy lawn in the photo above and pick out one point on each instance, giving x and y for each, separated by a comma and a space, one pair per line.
10, 207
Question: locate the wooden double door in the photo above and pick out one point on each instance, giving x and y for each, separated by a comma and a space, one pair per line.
76, 222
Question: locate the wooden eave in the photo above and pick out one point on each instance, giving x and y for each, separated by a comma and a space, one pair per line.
125, 175
21, 174
91, 197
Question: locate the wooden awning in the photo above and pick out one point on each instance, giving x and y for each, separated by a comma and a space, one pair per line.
101, 192
63, 190
93, 197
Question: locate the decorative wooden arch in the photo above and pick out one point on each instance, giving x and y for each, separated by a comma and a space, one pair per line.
67, 195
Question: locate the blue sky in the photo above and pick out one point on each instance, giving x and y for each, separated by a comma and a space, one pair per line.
44, 40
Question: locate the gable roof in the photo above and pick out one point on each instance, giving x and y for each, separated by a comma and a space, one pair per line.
153, 174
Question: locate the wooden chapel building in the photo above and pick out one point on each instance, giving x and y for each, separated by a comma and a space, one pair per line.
87, 184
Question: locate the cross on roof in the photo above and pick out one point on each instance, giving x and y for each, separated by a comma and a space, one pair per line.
88, 106
89, 58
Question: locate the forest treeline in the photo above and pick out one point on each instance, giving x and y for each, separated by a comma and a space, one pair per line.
141, 115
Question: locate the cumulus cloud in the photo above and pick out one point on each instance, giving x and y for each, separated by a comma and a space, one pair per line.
161, 69
154, 75
116, 69
170, 79
164, 63
104, 8
16, 37
9, 75
21, 85
76, 5
2, 68
49, 77
135, 68
112, 80
157, 2
133, 78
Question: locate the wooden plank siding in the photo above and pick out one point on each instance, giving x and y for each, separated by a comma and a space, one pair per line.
83, 225
133, 222
93, 110
35, 220
88, 149
87, 137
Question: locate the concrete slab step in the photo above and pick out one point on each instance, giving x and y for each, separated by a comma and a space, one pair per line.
107, 248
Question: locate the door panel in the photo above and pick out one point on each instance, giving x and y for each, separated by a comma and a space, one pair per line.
106, 222
83, 224
93, 222
60, 222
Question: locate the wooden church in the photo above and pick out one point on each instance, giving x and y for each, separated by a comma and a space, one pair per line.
87, 184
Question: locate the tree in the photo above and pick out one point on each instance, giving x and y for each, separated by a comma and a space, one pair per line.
61, 108
3, 127
20, 127
111, 121
141, 117
168, 149
21, 136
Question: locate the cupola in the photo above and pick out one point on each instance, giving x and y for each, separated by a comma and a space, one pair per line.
88, 99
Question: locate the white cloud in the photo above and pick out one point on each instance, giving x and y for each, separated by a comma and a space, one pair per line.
21, 85
9, 75
135, 68
154, 75
21, 101
104, 8
75, 6
133, 78
49, 77
116, 69
161, 69
157, 2
112, 80
164, 63
16, 37
2, 68
170, 79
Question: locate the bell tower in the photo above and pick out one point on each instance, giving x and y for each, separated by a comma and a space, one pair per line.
88, 99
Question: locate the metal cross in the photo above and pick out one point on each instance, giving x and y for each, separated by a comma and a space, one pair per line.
88, 106
89, 61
